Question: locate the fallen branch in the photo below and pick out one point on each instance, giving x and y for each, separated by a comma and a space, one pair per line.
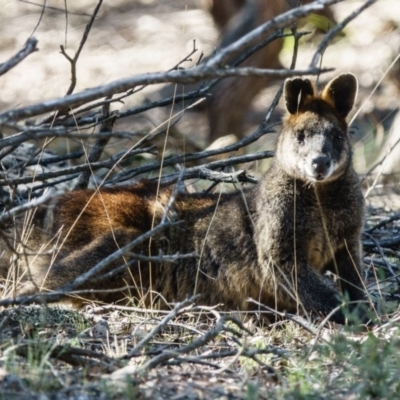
172, 314
29, 48
74, 170
199, 73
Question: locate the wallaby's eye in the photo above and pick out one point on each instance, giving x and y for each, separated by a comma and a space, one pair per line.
300, 136
338, 138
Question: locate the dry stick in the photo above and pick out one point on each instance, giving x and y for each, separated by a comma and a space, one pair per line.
229, 177
53, 159
192, 360
70, 355
192, 75
203, 91
199, 342
29, 47
337, 28
382, 254
7, 215
394, 241
97, 150
247, 352
6, 151
73, 61
200, 172
260, 131
39, 133
55, 8
40, 18
381, 224
280, 21
308, 327
74, 170
74, 121
55, 296
172, 314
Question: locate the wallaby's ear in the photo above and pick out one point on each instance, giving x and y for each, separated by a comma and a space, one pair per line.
297, 91
341, 93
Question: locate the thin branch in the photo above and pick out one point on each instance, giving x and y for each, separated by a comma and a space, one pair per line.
260, 131
384, 222
36, 133
201, 171
98, 147
298, 320
74, 170
222, 57
55, 8
73, 61
197, 343
172, 314
333, 32
382, 254
71, 355
202, 91
394, 241
29, 48
7, 215
192, 75
52, 159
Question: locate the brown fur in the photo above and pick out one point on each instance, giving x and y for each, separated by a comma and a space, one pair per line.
272, 243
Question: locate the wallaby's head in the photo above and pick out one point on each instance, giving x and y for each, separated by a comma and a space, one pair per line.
314, 145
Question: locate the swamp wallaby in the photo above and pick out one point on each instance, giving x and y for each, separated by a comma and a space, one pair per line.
272, 242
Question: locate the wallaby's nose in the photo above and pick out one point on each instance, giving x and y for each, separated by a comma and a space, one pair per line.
321, 165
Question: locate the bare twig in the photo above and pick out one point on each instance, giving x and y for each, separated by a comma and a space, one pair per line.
71, 355
382, 254
197, 343
382, 223
337, 28
285, 19
260, 131
55, 8
52, 159
58, 131
299, 321
24, 207
394, 241
172, 314
73, 61
74, 170
192, 75
98, 147
29, 48
201, 172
